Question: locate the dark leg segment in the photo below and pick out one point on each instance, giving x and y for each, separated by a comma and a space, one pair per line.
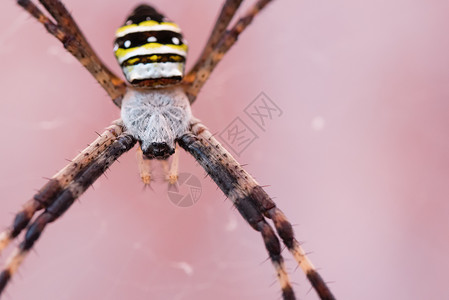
266, 205
250, 199
47, 194
74, 41
64, 200
258, 223
204, 67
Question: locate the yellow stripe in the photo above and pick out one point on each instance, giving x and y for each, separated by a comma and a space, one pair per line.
176, 58
146, 23
153, 58
147, 59
133, 60
122, 52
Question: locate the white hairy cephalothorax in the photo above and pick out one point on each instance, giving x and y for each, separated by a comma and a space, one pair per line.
156, 115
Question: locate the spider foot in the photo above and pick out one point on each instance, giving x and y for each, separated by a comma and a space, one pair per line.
146, 179
171, 178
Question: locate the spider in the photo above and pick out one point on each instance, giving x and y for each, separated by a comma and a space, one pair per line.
155, 114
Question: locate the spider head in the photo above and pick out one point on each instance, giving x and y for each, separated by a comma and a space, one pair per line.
150, 49
158, 151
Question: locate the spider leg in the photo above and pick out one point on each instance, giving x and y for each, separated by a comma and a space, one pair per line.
251, 201
64, 200
231, 179
66, 31
227, 12
196, 78
144, 165
47, 194
171, 169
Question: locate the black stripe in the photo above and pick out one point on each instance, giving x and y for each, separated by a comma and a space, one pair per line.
141, 38
143, 11
157, 81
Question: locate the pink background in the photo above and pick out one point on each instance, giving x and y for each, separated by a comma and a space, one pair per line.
359, 159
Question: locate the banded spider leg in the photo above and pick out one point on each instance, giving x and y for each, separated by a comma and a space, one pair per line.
45, 196
227, 12
66, 31
219, 43
61, 191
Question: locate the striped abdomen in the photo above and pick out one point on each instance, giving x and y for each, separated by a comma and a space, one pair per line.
150, 49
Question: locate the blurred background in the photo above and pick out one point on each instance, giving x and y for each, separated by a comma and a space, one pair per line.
357, 156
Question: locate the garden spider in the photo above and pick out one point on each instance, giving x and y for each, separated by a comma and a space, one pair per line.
149, 75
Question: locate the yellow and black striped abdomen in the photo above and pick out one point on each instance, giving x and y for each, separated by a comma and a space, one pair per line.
150, 49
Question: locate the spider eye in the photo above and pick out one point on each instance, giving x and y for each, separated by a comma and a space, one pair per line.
150, 49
